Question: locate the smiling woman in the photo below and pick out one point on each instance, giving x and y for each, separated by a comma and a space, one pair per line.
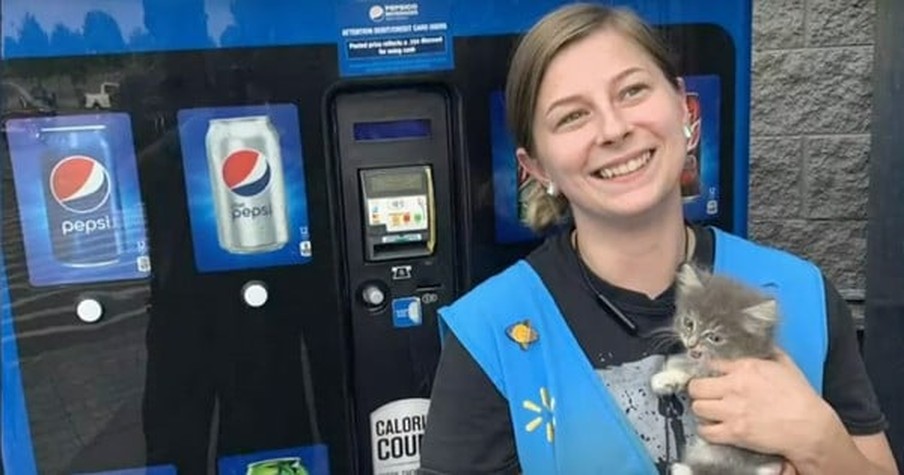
601, 123
609, 133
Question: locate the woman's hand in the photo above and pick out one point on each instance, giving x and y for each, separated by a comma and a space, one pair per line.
762, 405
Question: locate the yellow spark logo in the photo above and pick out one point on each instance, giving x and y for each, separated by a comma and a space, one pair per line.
545, 413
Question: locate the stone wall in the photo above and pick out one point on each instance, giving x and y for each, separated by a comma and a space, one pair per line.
810, 133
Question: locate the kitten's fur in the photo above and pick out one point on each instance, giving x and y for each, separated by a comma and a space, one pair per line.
717, 318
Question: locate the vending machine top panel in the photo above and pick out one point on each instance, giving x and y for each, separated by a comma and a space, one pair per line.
372, 38
78, 27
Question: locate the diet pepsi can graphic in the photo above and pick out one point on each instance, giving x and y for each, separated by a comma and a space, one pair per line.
79, 202
247, 182
700, 175
245, 186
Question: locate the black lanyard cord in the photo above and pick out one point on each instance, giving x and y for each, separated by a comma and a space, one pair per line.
626, 322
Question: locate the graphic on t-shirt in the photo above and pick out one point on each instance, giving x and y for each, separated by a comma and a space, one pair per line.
665, 424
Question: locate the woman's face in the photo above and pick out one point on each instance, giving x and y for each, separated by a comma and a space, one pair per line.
608, 129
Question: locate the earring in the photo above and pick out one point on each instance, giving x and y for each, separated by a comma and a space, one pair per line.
552, 189
687, 131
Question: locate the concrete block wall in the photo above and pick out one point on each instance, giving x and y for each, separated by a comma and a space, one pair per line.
810, 133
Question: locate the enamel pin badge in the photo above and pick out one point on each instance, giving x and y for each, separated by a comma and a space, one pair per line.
523, 334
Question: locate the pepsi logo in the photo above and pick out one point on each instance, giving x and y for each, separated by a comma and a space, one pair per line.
246, 172
376, 13
80, 184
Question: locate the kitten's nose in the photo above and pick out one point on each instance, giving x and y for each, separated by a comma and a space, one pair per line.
695, 354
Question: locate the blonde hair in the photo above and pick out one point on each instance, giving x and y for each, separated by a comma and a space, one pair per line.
539, 46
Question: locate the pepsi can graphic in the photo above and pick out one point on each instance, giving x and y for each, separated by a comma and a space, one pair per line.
80, 195
700, 177
247, 183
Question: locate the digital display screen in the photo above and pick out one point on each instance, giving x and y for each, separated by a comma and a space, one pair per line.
392, 130
394, 183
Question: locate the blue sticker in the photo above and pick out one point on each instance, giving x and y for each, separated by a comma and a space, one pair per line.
245, 182
377, 37
79, 201
84, 27
700, 178
156, 470
406, 312
306, 460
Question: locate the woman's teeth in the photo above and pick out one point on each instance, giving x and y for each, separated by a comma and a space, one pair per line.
623, 169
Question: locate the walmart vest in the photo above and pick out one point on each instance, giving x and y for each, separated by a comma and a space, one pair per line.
564, 419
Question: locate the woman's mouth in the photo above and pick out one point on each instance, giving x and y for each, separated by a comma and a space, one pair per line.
625, 168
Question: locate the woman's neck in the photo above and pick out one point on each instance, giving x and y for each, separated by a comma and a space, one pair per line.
638, 256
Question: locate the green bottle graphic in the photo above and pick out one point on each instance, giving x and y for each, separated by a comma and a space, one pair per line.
280, 466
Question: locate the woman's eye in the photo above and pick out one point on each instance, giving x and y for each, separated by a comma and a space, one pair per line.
570, 117
633, 91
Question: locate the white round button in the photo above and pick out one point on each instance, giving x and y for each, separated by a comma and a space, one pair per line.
373, 295
255, 294
89, 310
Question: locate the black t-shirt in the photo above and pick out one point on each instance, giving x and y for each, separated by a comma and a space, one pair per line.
469, 426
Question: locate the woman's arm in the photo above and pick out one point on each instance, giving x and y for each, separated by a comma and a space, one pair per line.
469, 429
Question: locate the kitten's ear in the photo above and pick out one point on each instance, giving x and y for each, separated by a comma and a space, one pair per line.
689, 278
761, 316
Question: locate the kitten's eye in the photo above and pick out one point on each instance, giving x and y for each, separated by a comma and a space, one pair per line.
714, 338
688, 323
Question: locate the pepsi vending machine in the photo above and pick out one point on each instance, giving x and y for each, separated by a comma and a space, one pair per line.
228, 226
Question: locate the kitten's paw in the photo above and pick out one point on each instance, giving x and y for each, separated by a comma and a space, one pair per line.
669, 381
770, 469
680, 469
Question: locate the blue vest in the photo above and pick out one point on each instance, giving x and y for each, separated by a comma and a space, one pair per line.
564, 419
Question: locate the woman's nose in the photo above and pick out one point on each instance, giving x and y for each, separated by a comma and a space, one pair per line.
612, 126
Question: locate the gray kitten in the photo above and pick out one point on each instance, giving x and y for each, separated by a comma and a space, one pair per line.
717, 318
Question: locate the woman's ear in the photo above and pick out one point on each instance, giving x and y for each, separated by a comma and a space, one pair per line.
531, 165
682, 94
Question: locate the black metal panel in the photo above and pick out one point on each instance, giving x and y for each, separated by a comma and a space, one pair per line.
884, 330
395, 363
